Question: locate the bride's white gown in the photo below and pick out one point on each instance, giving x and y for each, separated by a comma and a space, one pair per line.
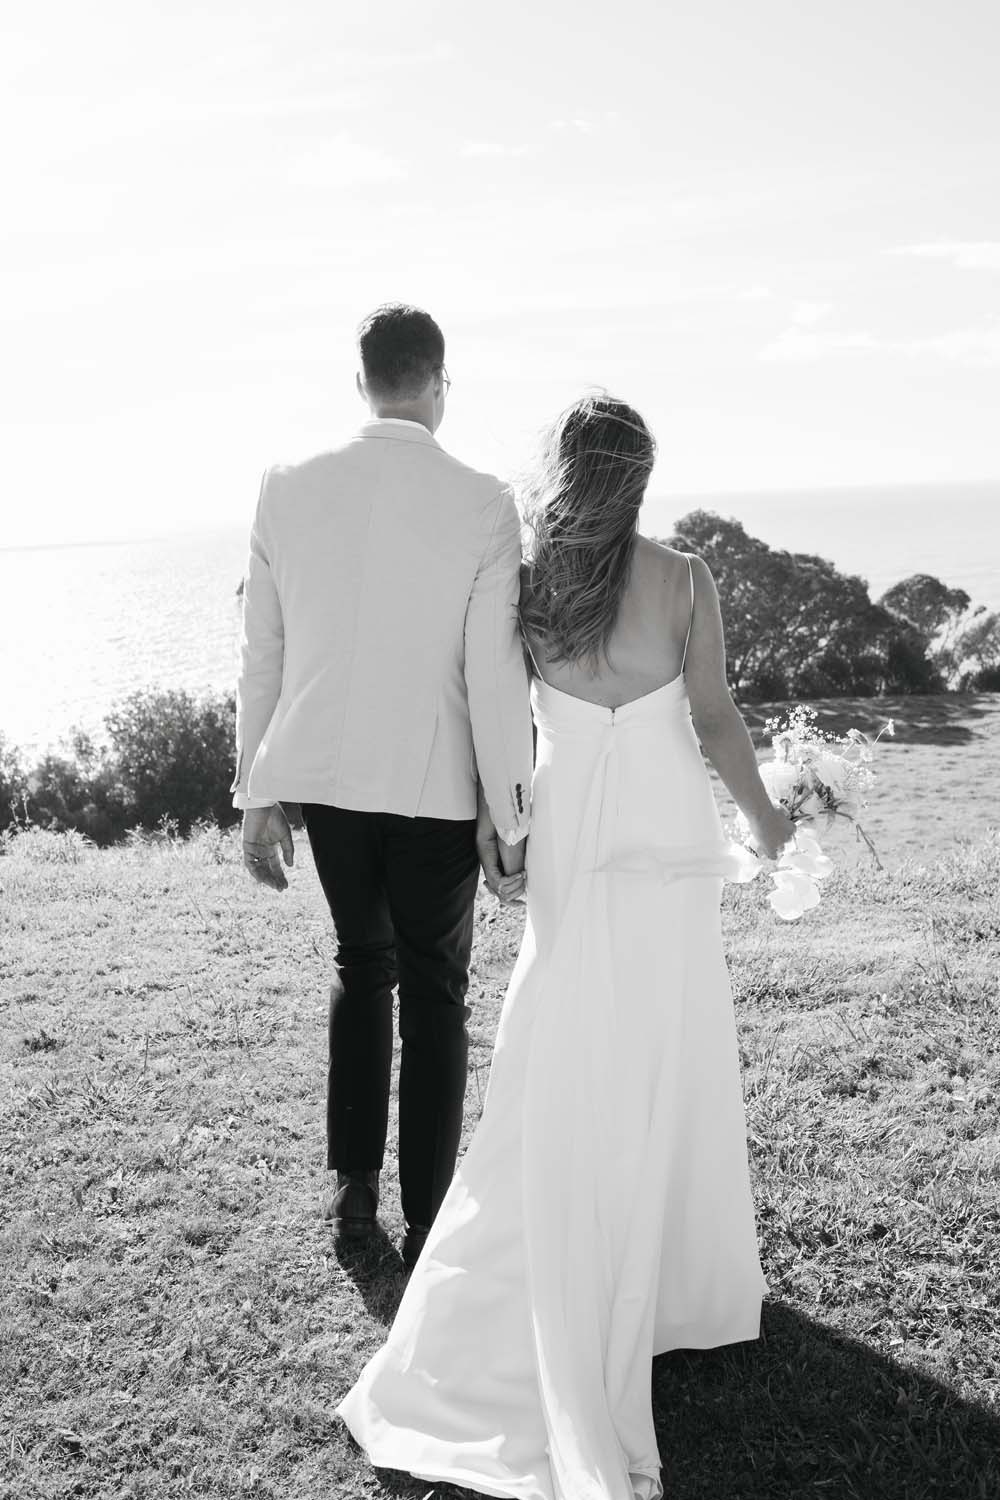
602, 1213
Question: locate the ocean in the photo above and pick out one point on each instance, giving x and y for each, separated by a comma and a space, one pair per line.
82, 625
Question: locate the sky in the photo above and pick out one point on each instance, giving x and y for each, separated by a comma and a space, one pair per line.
774, 228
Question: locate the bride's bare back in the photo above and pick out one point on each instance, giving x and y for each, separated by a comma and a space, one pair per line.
646, 648
647, 651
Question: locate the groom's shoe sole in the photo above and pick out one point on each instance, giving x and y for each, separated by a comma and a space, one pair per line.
353, 1229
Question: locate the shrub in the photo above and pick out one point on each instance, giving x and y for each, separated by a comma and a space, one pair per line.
173, 757
13, 783
81, 792
164, 773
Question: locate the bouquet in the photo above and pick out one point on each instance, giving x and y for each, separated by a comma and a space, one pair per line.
822, 781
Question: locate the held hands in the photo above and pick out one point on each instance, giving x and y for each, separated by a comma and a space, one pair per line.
265, 831
771, 831
503, 864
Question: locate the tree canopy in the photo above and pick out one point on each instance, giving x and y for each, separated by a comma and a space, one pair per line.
797, 627
962, 640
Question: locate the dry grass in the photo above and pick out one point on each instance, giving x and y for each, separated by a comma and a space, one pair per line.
174, 1322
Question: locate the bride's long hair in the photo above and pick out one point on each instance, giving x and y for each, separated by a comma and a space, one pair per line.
581, 507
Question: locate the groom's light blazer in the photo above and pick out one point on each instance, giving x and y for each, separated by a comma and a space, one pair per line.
381, 665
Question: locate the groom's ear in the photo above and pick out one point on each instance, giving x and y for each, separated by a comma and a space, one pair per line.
359, 386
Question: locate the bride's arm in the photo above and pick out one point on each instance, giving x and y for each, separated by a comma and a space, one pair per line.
718, 722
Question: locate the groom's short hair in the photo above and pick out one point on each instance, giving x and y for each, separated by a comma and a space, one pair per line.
400, 347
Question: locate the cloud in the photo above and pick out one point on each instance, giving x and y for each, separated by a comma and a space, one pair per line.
806, 340
343, 163
38, 293
808, 314
967, 346
374, 60
965, 255
802, 343
495, 149
586, 124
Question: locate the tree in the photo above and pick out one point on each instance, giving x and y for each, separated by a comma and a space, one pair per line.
13, 783
795, 626
974, 659
930, 605
960, 640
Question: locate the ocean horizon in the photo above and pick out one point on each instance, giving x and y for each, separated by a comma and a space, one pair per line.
84, 623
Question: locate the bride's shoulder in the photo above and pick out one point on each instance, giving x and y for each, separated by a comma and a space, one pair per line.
666, 572
658, 556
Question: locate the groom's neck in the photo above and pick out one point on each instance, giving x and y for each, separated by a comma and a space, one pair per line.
405, 411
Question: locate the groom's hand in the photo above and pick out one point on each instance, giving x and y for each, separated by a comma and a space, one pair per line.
265, 831
506, 888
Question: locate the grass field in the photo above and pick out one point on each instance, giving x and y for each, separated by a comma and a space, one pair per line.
174, 1322
935, 774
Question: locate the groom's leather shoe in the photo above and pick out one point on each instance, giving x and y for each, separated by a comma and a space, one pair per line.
353, 1205
413, 1243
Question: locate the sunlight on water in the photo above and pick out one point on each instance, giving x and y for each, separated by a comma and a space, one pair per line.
83, 626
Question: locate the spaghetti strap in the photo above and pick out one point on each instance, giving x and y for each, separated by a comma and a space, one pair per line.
527, 647
687, 638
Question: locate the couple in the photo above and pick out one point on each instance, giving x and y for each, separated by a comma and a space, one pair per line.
602, 1213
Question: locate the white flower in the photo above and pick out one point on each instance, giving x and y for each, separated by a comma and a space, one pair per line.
806, 857
831, 770
780, 777
793, 894
744, 865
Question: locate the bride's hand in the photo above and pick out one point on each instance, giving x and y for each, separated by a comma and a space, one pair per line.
772, 831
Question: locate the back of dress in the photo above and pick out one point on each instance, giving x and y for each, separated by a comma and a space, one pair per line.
616, 788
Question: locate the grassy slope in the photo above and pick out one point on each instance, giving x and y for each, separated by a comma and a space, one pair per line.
172, 1315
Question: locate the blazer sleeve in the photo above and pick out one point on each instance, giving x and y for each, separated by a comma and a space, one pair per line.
495, 677
262, 653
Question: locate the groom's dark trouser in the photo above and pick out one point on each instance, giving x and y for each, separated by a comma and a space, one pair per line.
401, 893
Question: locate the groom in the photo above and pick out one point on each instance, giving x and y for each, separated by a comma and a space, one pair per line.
381, 679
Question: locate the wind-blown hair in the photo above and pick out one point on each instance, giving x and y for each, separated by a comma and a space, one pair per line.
581, 507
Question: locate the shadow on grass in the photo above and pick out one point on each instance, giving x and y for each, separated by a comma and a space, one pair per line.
921, 719
805, 1410
802, 1411
376, 1269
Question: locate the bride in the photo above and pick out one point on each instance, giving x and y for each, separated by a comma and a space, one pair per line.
602, 1213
